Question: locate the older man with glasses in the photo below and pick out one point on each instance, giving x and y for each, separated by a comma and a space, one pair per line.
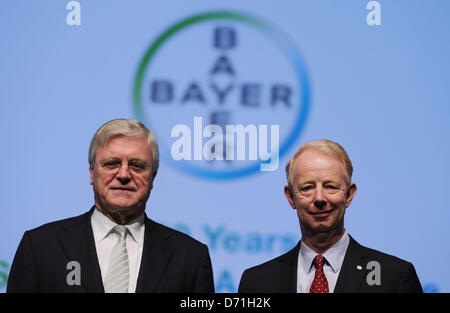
113, 247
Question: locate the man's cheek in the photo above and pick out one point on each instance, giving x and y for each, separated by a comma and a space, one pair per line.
106, 180
143, 184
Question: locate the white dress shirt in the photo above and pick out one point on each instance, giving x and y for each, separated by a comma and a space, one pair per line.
105, 240
334, 258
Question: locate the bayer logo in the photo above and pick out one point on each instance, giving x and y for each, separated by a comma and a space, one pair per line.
225, 94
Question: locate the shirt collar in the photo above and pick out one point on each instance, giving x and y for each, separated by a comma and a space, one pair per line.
102, 227
334, 256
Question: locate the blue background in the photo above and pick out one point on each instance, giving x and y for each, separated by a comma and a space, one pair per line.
380, 91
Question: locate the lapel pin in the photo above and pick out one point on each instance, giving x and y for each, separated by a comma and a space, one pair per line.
359, 267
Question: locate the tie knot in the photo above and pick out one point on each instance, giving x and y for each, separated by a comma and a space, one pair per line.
121, 231
318, 261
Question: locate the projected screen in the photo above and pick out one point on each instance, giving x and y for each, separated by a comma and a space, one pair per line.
231, 90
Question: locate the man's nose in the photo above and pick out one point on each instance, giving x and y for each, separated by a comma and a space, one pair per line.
319, 199
124, 175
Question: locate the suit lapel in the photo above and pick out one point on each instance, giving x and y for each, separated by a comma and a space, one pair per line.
350, 277
77, 240
353, 269
285, 275
156, 255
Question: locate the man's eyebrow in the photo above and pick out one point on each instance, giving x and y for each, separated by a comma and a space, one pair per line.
324, 181
120, 159
110, 159
137, 159
306, 181
329, 180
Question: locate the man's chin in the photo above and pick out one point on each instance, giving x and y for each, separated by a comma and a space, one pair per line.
122, 207
319, 228
325, 230
119, 206
322, 229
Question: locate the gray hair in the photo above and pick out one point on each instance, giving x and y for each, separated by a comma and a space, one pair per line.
328, 147
125, 127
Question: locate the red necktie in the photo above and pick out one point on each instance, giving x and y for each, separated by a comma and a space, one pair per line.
320, 283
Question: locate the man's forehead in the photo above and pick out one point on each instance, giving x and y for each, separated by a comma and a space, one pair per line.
316, 163
121, 144
315, 157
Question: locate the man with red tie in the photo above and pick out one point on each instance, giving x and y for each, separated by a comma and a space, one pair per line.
327, 259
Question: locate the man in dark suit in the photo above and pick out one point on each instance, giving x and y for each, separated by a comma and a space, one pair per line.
327, 259
114, 247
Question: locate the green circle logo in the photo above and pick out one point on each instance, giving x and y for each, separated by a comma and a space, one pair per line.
281, 71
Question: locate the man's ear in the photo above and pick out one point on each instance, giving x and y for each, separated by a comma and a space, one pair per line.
91, 172
289, 196
351, 192
152, 179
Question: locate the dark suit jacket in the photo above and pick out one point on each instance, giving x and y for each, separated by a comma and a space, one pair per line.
280, 274
171, 261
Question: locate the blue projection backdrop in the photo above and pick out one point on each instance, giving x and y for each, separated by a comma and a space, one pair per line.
314, 68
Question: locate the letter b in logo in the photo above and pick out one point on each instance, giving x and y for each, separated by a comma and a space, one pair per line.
74, 276
224, 38
374, 276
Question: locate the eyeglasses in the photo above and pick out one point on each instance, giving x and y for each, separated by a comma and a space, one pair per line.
309, 191
114, 165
